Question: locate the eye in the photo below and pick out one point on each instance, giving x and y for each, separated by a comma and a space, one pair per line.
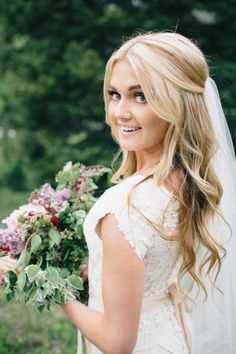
114, 95
140, 97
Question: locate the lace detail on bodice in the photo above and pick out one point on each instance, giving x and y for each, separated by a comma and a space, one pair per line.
143, 211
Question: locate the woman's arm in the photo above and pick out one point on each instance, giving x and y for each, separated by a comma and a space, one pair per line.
114, 331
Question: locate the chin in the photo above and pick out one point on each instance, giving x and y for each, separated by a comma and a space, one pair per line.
130, 148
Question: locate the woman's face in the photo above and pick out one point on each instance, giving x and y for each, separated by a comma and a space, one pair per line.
136, 125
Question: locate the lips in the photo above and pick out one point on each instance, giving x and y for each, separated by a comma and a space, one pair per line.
129, 129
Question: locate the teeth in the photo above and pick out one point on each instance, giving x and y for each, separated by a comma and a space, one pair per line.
129, 129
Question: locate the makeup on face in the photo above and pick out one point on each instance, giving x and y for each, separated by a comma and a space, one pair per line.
136, 125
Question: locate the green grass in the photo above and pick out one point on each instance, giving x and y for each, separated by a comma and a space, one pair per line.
24, 331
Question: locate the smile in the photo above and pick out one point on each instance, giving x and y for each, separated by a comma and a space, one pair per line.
129, 130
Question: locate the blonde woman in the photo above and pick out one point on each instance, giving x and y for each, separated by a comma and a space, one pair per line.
161, 236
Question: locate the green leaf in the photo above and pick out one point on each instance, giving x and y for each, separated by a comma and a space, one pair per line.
24, 259
75, 281
52, 275
51, 243
57, 297
32, 293
39, 261
12, 278
9, 296
32, 271
40, 308
45, 293
36, 242
39, 282
21, 281
55, 237
64, 273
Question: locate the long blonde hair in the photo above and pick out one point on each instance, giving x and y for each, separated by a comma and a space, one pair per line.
172, 72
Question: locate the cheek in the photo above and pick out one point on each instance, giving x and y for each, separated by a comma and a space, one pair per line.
110, 117
111, 113
156, 127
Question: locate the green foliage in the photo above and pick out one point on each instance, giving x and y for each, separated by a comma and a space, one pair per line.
54, 244
23, 260
55, 237
52, 69
36, 242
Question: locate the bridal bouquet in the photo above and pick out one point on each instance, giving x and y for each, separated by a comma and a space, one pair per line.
43, 246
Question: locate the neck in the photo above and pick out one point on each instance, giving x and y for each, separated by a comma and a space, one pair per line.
148, 158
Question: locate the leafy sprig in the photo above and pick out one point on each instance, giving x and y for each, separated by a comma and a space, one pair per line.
45, 238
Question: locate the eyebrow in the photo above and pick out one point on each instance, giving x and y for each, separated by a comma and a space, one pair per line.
130, 88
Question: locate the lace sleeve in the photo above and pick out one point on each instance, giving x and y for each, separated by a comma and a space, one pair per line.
148, 214
140, 215
135, 228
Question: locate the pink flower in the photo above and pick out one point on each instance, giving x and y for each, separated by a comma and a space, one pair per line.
2, 281
12, 220
11, 242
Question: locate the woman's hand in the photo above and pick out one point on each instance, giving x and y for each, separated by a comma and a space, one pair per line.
84, 271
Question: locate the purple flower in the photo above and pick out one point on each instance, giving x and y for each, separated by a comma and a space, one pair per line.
62, 195
47, 197
42, 197
11, 240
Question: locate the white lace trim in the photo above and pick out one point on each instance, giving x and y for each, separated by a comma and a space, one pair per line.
159, 331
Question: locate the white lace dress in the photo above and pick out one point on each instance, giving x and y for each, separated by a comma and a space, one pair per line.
159, 330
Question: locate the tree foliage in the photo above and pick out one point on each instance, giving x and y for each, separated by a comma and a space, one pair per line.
53, 55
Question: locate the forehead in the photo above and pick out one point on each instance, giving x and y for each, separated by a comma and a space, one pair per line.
123, 75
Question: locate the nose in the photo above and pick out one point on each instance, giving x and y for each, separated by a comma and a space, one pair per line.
122, 111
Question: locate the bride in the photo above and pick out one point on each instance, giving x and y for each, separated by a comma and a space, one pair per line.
161, 241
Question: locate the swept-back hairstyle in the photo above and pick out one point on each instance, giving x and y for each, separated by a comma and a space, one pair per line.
172, 72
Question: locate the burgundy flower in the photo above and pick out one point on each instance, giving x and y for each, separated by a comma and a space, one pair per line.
5, 249
50, 210
79, 183
56, 222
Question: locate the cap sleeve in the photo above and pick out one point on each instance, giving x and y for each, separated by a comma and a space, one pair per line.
140, 211
141, 217
135, 229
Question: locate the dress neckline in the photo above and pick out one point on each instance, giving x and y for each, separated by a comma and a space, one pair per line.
162, 187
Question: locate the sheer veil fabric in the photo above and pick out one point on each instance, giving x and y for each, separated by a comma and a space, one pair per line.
214, 321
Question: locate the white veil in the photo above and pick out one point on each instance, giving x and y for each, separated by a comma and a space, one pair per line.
214, 321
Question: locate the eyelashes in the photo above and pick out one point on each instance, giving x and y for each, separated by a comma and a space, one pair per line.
116, 96
141, 95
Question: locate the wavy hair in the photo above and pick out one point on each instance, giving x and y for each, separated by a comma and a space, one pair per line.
172, 72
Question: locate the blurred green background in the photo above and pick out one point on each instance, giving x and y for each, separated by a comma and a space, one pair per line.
52, 60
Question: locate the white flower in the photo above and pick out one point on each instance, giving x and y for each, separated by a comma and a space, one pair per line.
7, 264
68, 166
79, 215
